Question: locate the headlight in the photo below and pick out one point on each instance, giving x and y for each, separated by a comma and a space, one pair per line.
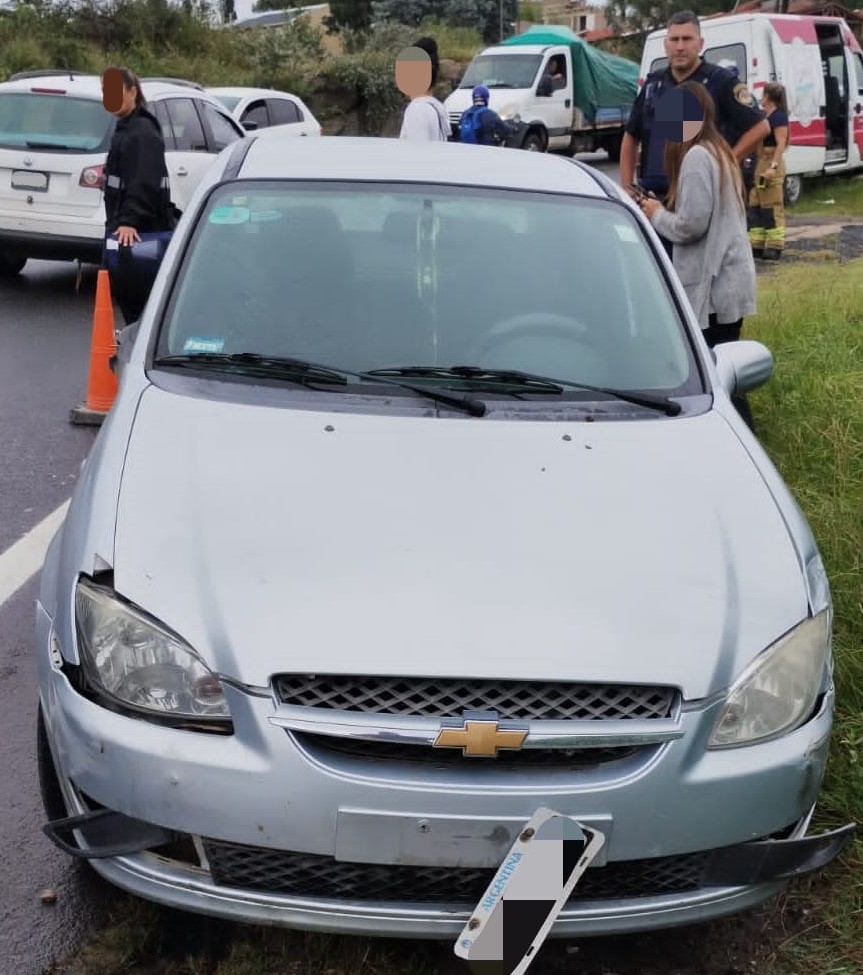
777, 691
137, 662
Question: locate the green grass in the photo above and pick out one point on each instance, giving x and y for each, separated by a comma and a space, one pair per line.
810, 420
831, 195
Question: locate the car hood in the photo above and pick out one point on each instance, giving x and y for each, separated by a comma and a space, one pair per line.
287, 540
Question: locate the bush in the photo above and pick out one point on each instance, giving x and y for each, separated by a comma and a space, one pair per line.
370, 77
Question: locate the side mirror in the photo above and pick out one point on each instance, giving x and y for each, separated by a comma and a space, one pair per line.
743, 366
249, 126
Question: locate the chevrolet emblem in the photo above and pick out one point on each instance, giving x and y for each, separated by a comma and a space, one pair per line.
480, 738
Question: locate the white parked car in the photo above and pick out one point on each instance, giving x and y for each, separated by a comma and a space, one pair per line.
263, 108
54, 139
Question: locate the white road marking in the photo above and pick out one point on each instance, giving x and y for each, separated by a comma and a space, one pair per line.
23, 559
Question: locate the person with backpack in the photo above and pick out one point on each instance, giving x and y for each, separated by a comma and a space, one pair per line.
481, 125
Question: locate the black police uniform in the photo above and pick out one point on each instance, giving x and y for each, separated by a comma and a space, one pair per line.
137, 195
736, 113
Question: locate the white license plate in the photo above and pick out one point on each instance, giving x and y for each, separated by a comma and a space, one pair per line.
528, 891
23, 179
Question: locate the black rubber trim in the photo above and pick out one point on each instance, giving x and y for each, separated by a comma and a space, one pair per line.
236, 159
766, 860
107, 834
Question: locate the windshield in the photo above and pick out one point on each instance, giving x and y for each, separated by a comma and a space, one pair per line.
373, 276
229, 101
59, 123
502, 71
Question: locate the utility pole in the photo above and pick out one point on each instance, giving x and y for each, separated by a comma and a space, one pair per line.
500, 17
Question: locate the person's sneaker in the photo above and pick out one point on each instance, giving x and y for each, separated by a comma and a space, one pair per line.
758, 253
772, 254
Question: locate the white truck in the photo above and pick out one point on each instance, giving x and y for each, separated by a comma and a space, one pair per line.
819, 62
582, 109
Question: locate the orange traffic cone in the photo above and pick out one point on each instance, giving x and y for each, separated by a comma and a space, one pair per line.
101, 382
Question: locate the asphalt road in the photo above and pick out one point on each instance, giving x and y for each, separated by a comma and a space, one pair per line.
44, 348
45, 331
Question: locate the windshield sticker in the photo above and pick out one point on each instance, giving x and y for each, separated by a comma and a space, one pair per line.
195, 344
264, 216
231, 215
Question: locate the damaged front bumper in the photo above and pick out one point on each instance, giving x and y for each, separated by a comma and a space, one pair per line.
126, 851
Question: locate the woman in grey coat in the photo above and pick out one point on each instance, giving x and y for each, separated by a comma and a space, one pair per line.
705, 218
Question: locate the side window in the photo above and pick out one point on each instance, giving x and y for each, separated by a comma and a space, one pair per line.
222, 131
257, 113
858, 70
186, 126
283, 110
729, 56
161, 114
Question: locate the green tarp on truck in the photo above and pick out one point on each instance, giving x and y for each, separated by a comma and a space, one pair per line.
600, 80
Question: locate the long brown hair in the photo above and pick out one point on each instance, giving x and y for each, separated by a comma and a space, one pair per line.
776, 93
709, 137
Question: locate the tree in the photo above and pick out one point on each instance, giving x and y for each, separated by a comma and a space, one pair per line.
643, 16
355, 15
493, 18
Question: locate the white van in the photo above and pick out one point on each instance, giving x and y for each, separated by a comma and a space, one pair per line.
819, 62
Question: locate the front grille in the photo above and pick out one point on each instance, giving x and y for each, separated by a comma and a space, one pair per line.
436, 697
323, 746
309, 875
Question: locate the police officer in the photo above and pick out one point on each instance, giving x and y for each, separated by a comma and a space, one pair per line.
739, 119
137, 195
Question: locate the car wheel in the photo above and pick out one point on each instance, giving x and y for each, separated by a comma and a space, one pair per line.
612, 147
533, 142
793, 189
11, 264
49, 785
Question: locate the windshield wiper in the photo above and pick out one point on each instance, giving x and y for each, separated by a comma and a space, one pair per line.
46, 145
535, 383
282, 366
305, 372
495, 377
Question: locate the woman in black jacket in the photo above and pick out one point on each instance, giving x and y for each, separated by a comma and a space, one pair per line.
137, 195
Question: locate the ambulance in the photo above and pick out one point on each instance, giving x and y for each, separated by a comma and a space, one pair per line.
820, 63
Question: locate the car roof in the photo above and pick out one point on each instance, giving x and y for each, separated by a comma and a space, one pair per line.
90, 86
250, 92
398, 160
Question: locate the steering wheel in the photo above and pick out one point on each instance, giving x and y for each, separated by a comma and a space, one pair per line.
539, 325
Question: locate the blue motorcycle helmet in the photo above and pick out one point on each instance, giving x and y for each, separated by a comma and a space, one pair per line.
481, 94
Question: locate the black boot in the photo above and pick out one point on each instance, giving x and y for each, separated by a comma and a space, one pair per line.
758, 253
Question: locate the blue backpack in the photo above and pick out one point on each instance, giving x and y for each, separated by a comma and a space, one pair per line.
470, 125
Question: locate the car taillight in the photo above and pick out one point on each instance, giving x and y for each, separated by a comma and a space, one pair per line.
93, 177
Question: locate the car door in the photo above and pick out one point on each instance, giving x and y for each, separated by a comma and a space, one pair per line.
856, 107
555, 104
285, 111
187, 152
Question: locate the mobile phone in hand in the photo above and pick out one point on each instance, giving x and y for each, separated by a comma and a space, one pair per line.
639, 191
